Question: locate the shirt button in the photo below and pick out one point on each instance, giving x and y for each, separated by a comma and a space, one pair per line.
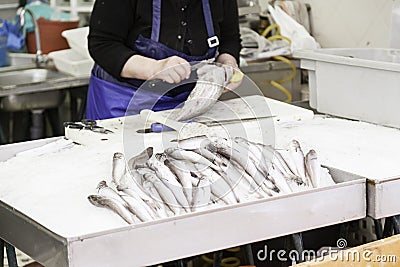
183, 23
183, 8
190, 41
179, 37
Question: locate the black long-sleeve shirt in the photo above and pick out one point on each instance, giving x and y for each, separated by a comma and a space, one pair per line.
116, 24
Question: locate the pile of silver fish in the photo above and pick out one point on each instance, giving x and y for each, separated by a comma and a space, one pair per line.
201, 173
212, 80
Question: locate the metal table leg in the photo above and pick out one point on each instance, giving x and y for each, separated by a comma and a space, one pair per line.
2, 246
11, 256
378, 229
217, 259
249, 254
298, 245
396, 224
388, 228
180, 263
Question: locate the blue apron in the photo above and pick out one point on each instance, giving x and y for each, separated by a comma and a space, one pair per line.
110, 98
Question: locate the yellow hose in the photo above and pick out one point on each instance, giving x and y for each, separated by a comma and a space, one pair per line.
278, 83
225, 262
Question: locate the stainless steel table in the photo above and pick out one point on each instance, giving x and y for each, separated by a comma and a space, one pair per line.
80, 235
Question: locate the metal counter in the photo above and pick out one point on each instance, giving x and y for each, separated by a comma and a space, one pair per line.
62, 83
185, 235
45, 239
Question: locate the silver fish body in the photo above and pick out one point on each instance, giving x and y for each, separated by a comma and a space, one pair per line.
192, 156
201, 195
208, 89
140, 159
170, 180
161, 209
118, 167
193, 142
136, 206
133, 180
114, 205
313, 167
237, 154
165, 193
185, 178
297, 157
280, 180
219, 187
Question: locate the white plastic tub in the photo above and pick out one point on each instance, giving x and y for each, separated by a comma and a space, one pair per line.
69, 61
77, 40
361, 84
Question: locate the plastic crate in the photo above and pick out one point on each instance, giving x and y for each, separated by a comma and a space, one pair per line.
69, 61
77, 40
360, 83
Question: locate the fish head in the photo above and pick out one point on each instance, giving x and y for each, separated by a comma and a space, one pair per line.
118, 156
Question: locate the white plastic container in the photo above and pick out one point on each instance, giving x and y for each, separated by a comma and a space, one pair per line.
69, 61
361, 83
77, 40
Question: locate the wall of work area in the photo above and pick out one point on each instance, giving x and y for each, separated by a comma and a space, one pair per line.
354, 23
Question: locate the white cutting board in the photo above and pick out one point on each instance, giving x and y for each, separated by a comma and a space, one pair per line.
240, 108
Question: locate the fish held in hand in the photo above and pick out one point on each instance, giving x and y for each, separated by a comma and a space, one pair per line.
209, 87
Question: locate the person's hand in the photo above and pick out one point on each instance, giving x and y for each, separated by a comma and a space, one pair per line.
172, 69
230, 62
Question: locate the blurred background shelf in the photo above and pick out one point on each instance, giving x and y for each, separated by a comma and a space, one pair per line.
73, 6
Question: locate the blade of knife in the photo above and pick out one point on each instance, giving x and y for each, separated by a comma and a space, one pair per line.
157, 127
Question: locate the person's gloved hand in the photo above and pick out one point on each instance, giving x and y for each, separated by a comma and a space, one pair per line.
212, 73
229, 62
172, 69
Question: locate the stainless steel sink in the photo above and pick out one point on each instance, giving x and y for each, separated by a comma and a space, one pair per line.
33, 101
30, 101
21, 59
18, 61
27, 77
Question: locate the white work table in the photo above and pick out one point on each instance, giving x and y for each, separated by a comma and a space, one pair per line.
44, 209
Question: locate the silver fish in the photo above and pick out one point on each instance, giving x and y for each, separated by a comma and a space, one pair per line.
137, 207
276, 158
255, 154
212, 157
192, 156
170, 180
219, 187
208, 89
201, 194
241, 183
279, 180
240, 156
297, 156
183, 175
114, 205
162, 209
140, 159
133, 180
193, 142
165, 193
313, 168
118, 167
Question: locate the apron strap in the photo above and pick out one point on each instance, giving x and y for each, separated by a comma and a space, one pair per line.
156, 23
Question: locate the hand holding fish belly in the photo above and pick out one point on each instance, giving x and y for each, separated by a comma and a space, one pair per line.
212, 80
237, 75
